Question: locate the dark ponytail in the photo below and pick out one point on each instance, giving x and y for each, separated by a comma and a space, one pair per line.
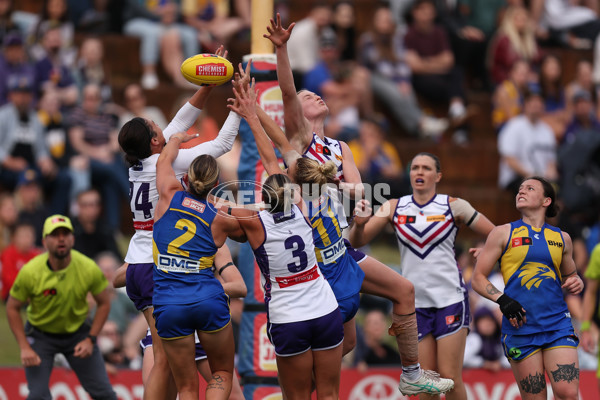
135, 138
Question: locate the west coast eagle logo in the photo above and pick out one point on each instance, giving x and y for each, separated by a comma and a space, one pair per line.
533, 273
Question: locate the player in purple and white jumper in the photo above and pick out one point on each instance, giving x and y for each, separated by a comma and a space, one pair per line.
426, 224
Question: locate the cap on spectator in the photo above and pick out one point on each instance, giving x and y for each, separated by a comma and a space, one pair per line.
532, 90
13, 39
54, 222
328, 40
28, 176
20, 83
581, 95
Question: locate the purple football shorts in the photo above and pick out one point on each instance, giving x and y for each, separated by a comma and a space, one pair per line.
140, 284
444, 321
295, 338
200, 353
358, 255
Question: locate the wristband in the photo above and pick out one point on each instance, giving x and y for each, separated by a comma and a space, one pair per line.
585, 326
92, 338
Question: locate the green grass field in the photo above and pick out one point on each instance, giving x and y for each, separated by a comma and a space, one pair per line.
9, 351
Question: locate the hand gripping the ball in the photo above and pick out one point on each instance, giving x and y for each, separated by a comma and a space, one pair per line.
512, 310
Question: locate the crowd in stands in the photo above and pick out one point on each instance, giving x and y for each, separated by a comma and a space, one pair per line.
59, 122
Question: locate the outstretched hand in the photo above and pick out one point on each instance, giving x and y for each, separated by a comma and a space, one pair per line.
222, 52
244, 103
242, 78
277, 35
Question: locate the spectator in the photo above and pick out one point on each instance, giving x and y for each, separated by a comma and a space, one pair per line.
136, 105
57, 313
550, 84
7, 25
376, 158
93, 135
584, 117
376, 351
303, 45
470, 25
54, 16
8, 218
54, 122
508, 96
90, 68
554, 97
92, 237
343, 85
582, 82
342, 23
122, 310
527, 146
155, 23
110, 343
435, 75
213, 21
23, 146
20, 250
52, 73
30, 202
514, 41
382, 52
483, 348
13, 61
566, 20
99, 17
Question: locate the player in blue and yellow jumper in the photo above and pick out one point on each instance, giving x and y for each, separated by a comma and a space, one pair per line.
188, 230
536, 261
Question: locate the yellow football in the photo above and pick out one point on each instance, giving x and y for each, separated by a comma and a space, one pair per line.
207, 70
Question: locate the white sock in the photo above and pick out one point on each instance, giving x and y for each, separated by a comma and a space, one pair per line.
411, 372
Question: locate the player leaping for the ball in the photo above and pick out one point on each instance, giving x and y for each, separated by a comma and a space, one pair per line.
304, 117
143, 141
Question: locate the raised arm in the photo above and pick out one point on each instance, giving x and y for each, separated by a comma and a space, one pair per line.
365, 228
245, 105
166, 182
297, 128
189, 113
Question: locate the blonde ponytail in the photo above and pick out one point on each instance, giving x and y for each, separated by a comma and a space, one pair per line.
203, 174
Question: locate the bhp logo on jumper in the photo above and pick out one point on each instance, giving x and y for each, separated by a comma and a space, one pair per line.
212, 69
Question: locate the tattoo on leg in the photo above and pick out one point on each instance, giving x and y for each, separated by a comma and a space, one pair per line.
565, 372
533, 383
216, 382
491, 289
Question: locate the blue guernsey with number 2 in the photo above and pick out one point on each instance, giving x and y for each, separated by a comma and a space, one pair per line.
183, 250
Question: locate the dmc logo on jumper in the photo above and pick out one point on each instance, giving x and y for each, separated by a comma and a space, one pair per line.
176, 264
212, 69
333, 250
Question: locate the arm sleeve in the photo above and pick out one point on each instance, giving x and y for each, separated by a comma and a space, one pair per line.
463, 210
185, 118
20, 289
593, 269
98, 281
216, 148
